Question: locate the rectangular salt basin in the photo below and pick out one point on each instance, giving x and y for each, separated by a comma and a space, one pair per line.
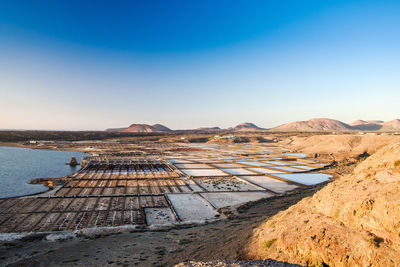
190, 208
196, 160
226, 165
279, 163
254, 163
288, 169
237, 171
178, 161
159, 216
192, 166
225, 184
192, 185
300, 155
272, 184
264, 170
305, 178
223, 158
204, 172
224, 199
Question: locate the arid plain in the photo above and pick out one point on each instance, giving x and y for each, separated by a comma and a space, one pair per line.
161, 200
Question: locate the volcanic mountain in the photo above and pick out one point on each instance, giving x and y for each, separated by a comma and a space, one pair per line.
367, 125
314, 125
246, 126
145, 128
393, 125
388, 126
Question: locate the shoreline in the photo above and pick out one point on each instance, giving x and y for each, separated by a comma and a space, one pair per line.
2, 144
47, 182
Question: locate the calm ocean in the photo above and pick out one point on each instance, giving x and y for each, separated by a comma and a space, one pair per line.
20, 165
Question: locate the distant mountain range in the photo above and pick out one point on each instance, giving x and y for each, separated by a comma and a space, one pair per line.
312, 125
329, 125
158, 128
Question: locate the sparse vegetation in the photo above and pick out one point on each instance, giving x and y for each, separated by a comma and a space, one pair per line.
375, 240
185, 241
396, 163
268, 243
321, 264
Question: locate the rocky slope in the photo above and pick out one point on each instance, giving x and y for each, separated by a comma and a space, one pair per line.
354, 221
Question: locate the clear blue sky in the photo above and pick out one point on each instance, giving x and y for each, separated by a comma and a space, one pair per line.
97, 64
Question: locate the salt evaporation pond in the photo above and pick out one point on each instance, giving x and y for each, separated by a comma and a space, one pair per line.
18, 166
300, 155
305, 178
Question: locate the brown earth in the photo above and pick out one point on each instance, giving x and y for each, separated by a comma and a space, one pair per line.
340, 146
354, 221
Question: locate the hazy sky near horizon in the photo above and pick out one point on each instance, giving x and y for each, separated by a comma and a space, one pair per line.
81, 65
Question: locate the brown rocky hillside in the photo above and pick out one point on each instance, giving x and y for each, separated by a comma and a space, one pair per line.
354, 221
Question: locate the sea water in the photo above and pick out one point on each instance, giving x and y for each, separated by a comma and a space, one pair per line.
18, 166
